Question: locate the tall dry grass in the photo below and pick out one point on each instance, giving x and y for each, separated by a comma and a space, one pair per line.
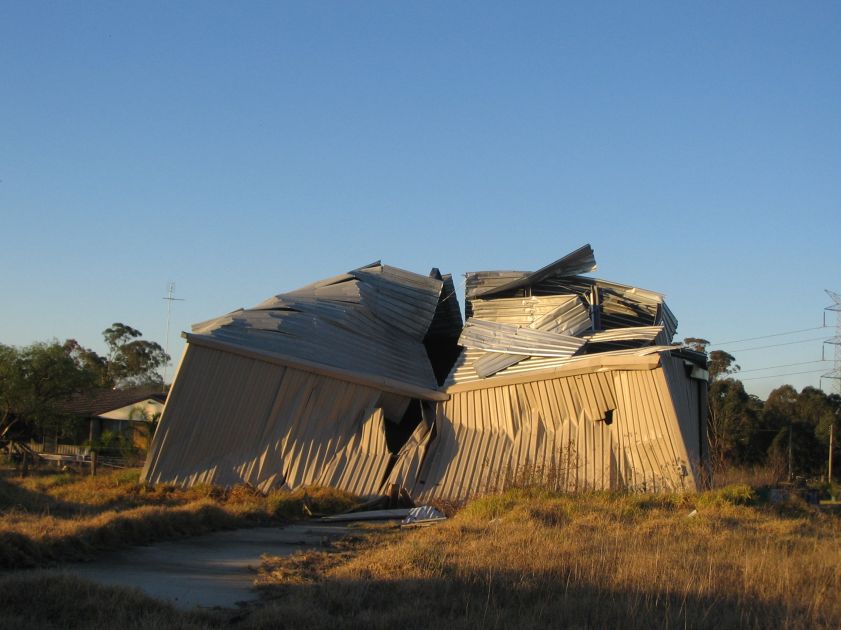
530, 558
47, 517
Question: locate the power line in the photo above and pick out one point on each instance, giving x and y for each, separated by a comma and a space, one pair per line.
776, 345
773, 367
755, 378
790, 332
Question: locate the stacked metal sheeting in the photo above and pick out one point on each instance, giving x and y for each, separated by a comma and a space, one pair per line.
514, 317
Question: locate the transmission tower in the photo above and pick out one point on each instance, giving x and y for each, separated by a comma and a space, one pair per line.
836, 340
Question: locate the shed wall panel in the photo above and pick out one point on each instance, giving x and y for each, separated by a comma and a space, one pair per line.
555, 431
241, 420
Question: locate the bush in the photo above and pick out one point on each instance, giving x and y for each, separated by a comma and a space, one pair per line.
734, 494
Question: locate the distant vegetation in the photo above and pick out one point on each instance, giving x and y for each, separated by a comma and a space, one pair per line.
788, 433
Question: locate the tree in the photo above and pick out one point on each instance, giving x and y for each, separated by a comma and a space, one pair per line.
733, 423
801, 422
34, 380
133, 361
90, 361
721, 363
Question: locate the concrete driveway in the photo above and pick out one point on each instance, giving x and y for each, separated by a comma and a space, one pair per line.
212, 570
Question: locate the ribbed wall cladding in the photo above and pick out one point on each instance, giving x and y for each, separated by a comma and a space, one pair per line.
608, 430
232, 419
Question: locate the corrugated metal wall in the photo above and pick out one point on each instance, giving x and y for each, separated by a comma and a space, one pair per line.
555, 429
237, 419
234, 419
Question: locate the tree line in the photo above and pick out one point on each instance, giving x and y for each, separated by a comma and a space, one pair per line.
35, 380
788, 431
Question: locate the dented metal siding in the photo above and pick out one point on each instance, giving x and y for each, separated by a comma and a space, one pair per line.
241, 420
492, 435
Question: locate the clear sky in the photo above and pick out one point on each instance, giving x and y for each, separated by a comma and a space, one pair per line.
244, 149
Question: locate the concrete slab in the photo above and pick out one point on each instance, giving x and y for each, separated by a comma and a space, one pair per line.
207, 571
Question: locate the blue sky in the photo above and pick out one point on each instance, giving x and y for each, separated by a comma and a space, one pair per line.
244, 149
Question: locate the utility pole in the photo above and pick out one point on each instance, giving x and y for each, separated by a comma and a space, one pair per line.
169, 300
836, 340
831, 430
790, 431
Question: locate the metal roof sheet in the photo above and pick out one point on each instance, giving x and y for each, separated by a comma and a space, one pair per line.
508, 339
631, 333
371, 321
582, 260
565, 314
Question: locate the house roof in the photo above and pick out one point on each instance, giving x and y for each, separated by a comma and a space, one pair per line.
98, 402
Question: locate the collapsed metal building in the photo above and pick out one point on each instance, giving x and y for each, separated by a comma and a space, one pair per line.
371, 378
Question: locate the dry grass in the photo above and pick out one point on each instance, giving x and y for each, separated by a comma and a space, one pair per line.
530, 558
48, 518
525, 558
42, 602
754, 476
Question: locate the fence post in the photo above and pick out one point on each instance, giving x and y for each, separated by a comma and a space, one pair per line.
93, 463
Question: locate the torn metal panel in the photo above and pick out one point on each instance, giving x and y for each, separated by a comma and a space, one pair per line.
582, 260
564, 314
570, 318
477, 282
631, 333
447, 321
411, 456
464, 371
400, 298
529, 311
515, 340
669, 323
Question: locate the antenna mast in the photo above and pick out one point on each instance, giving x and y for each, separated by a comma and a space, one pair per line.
169, 300
836, 340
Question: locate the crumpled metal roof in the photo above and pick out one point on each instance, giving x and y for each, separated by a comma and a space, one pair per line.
518, 317
371, 321
582, 260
